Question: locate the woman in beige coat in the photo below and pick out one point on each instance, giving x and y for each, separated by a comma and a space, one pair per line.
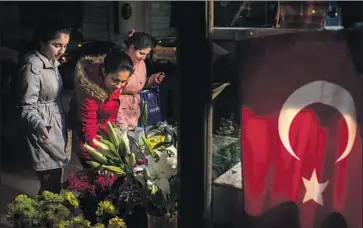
40, 105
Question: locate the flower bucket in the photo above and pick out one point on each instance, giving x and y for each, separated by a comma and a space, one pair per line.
162, 221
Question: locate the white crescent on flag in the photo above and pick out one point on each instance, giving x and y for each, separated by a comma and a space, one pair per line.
318, 92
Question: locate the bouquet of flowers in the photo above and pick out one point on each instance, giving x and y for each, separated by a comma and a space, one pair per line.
148, 172
158, 176
113, 152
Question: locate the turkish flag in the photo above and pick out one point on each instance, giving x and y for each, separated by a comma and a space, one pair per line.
301, 133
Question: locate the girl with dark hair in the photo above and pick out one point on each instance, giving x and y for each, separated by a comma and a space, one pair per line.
40, 104
139, 45
99, 81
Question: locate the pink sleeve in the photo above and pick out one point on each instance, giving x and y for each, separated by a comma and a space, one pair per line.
121, 120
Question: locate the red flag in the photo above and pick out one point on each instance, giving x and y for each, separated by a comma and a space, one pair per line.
301, 137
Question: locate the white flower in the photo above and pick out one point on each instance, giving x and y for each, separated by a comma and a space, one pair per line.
160, 172
124, 140
170, 150
162, 125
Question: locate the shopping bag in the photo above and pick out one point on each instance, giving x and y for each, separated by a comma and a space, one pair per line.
151, 97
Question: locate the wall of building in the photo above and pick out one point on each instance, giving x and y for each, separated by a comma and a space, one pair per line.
95, 23
99, 20
160, 14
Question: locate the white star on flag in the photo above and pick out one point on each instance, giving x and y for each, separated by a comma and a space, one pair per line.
314, 189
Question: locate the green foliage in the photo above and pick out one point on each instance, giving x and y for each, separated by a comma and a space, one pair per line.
71, 199
76, 222
105, 211
228, 127
99, 225
43, 210
24, 212
227, 149
58, 211
116, 222
225, 158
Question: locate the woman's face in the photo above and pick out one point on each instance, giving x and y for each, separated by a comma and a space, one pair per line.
54, 49
138, 55
114, 81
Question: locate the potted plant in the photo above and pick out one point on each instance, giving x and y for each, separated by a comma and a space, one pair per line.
43, 210
156, 175
160, 190
59, 211
90, 190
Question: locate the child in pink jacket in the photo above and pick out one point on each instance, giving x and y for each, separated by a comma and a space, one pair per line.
139, 45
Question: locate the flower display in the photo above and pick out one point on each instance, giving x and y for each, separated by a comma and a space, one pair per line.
24, 212
116, 222
71, 199
50, 210
86, 186
78, 221
112, 152
147, 174
105, 207
159, 172
128, 175
99, 225
79, 183
45, 210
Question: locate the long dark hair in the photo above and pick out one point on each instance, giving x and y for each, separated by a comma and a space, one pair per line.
50, 30
45, 32
140, 40
116, 61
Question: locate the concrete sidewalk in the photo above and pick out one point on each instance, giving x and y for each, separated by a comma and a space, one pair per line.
23, 181
17, 177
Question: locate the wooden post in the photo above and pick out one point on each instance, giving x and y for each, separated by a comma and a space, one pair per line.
195, 99
210, 116
1, 108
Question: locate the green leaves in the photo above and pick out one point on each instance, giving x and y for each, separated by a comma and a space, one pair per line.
24, 212
145, 113
110, 146
114, 169
113, 135
113, 152
95, 154
106, 150
149, 147
45, 210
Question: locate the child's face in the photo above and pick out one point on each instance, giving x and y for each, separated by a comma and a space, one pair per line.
138, 55
114, 81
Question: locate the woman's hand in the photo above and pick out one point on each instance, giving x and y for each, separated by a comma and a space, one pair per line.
42, 134
159, 78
